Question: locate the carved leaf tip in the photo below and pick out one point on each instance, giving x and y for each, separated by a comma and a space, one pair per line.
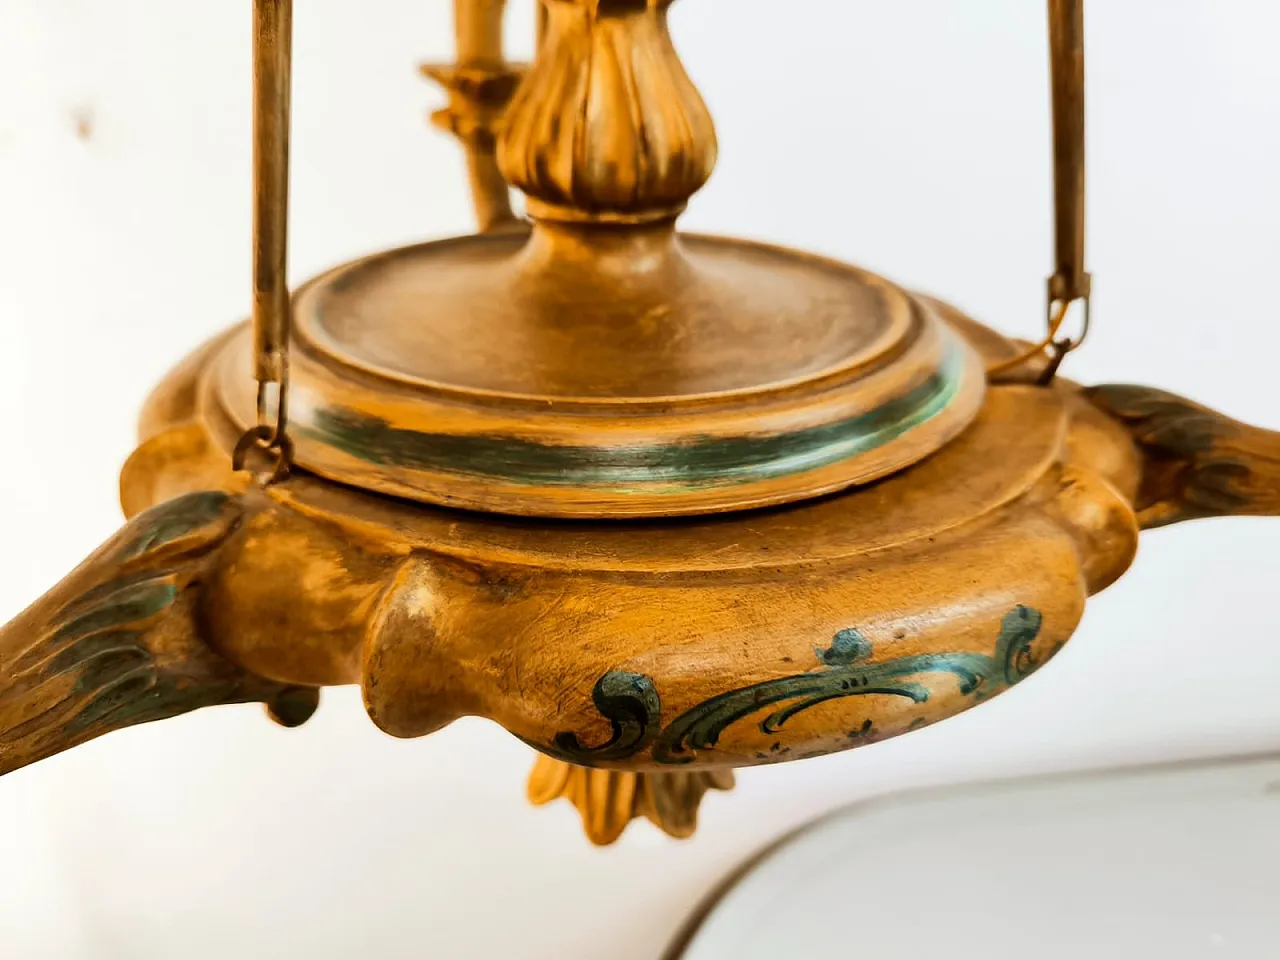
609, 800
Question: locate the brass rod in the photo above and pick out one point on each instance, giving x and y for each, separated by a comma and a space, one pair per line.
1066, 55
272, 58
542, 14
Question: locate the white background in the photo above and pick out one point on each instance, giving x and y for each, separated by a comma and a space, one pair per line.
910, 137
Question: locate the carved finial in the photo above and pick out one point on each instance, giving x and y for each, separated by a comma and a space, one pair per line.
607, 125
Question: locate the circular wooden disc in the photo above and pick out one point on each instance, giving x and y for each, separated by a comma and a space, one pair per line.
599, 372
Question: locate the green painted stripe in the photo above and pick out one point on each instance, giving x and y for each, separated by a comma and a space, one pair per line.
695, 465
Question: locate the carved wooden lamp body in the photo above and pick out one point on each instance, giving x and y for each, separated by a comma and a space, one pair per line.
660, 505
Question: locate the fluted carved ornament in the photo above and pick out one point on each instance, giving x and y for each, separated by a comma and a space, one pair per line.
607, 125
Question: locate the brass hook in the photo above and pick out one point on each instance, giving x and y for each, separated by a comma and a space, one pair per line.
1070, 281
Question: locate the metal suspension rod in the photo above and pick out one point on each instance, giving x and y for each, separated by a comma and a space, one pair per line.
1070, 281
1066, 49
272, 61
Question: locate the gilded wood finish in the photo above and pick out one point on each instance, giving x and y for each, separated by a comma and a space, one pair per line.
417, 597
595, 388
667, 647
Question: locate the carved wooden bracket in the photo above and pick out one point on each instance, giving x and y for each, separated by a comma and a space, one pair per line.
122, 640
1198, 463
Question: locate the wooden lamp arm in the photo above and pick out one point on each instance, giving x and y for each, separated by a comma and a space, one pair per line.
480, 84
120, 640
1196, 462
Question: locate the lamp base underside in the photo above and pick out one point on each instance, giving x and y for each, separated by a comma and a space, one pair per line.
679, 643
